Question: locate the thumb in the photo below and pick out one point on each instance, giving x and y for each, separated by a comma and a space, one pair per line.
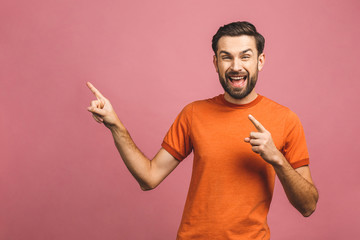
101, 103
98, 111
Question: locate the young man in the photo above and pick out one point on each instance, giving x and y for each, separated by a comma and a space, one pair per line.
240, 139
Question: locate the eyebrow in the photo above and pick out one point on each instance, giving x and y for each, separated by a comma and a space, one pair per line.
242, 52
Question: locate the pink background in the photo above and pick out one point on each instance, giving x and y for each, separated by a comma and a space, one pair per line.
60, 174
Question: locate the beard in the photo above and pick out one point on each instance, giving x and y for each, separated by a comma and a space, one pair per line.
238, 93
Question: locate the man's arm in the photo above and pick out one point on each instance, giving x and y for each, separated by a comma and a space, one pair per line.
298, 186
148, 173
297, 183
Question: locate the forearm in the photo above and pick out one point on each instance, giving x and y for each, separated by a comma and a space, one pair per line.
302, 194
137, 163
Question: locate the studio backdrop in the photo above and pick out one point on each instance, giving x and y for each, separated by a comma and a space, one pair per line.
61, 176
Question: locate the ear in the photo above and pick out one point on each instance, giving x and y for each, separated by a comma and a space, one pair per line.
215, 63
261, 61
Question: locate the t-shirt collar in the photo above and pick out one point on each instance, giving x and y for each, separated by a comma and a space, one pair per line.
247, 105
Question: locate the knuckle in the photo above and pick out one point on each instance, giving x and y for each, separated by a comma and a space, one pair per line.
94, 103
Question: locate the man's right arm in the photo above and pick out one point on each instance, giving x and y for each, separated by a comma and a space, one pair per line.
148, 173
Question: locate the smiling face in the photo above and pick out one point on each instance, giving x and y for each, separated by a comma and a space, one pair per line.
237, 62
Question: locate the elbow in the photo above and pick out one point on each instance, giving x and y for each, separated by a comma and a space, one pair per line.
310, 209
147, 186
308, 212
148, 183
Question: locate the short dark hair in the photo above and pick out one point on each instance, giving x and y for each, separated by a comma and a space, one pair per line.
235, 29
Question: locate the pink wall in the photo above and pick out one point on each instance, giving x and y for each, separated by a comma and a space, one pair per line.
60, 174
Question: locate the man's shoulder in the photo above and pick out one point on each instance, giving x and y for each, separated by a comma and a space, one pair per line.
206, 102
278, 109
271, 104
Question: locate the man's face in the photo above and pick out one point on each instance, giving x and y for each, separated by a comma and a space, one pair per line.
237, 63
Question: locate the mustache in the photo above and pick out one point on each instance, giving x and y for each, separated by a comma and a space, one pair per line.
233, 73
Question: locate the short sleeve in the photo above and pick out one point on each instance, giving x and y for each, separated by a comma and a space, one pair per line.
295, 149
177, 140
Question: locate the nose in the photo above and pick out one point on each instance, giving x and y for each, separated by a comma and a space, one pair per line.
236, 65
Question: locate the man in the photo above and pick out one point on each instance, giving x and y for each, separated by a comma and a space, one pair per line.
240, 141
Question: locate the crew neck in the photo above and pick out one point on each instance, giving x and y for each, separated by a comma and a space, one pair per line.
246, 105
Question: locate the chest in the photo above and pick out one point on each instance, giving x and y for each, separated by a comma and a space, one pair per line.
225, 131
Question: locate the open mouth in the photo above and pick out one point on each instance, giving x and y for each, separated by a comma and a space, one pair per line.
237, 81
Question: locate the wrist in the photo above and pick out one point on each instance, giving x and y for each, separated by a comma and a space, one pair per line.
278, 160
117, 127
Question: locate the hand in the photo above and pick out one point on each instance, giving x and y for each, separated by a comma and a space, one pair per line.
263, 144
101, 109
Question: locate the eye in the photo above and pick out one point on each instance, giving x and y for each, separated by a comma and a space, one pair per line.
245, 57
225, 57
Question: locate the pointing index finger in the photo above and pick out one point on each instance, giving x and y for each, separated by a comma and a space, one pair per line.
257, 124
95, 91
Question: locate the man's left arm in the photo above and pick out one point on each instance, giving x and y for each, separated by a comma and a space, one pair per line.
298, 186
297, 183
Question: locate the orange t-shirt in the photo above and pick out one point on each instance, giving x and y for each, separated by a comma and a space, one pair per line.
231, 186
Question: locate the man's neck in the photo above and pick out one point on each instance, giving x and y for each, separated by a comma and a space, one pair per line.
249, 98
